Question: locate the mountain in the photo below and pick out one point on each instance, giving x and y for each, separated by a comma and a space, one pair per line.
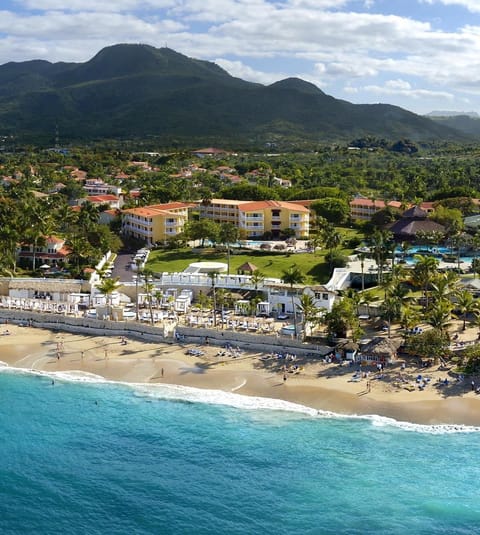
138, 91
469, 123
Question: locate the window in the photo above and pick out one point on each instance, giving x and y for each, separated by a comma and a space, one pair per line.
276, 213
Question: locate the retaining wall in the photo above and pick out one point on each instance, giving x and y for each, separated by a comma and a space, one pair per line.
164, 333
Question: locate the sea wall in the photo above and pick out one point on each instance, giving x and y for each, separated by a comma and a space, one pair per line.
254, 342
164, 333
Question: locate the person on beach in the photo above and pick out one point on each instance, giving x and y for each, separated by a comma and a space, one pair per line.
162, 372
473, 385
284, 377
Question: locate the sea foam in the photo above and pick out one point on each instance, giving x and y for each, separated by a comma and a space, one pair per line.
180, 393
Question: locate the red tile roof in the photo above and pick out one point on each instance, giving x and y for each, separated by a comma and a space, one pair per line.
261, 205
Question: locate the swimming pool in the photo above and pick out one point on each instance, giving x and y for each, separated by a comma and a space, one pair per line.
430, 250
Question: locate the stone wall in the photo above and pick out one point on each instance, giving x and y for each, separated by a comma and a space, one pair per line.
254, 342
164, 333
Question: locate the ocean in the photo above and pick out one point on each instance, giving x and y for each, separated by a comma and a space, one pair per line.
84, 456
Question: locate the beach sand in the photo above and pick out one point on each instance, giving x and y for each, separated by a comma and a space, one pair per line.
318, 385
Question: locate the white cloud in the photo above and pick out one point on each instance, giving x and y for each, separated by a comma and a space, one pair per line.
111, 6
240, 70
471, 5
404, 88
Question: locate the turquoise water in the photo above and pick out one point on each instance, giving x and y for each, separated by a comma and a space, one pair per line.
437, 252
82, 456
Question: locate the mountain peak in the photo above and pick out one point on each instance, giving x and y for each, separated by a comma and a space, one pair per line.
297, 84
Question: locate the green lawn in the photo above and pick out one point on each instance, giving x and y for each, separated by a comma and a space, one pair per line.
270, 264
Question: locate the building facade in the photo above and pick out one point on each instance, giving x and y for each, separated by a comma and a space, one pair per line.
259, 217
155, 223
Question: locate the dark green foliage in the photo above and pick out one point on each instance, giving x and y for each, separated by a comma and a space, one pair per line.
334, 210
471, 359
336, 259
383, 217
405, 146
249, 192
430, 344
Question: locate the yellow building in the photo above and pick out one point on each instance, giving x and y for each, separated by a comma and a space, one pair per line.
155, 223
221, 210
258, 217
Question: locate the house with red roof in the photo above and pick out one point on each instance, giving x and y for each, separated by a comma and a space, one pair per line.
155, 223
51, 250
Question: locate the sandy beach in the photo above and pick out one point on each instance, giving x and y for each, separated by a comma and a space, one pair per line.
394, 392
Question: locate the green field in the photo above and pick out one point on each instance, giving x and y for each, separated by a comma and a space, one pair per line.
270, 264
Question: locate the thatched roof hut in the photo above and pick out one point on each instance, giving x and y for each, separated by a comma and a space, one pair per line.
380, 349
247, 267
347, 350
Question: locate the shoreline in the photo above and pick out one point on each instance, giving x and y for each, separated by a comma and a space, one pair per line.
318, 385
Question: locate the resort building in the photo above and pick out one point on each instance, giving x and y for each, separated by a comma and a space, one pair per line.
413, 221
155, 223
363, 209
51, 251
111, 200
259, 217
96, 186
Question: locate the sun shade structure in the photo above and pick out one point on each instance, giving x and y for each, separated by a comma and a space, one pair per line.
247, 267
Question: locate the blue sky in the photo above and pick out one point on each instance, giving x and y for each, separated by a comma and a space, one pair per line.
422, 55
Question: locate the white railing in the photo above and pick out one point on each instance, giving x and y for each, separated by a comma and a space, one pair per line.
221, 281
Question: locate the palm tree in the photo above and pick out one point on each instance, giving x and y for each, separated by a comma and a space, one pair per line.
409, 318
315, 240
475, 248
148, 286
354, 296
465, 303
381, 245
444, 285
367, 298
212, 275
309, 312
405, 246
107, 287
362, 257
391, 310
257, 278
423, 273
88, 215
332, 239
138, 263
292, 276
440, 315
228, 235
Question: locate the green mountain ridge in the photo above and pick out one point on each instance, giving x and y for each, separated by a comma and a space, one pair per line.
138, 91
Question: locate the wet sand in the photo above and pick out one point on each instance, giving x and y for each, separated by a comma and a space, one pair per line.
318, 385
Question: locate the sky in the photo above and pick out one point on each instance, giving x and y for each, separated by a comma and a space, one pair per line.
422, 55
